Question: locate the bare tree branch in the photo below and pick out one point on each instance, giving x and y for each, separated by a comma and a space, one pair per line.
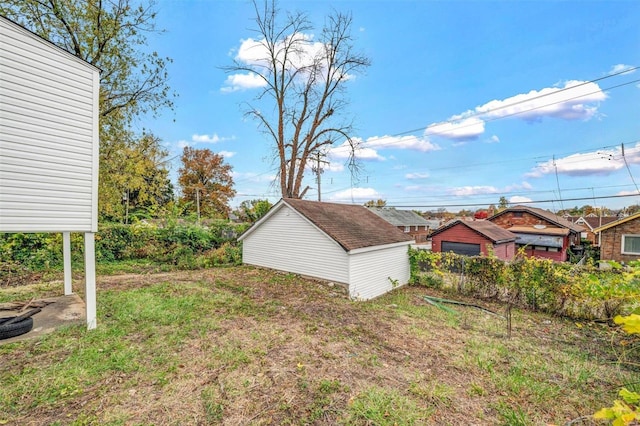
304, 77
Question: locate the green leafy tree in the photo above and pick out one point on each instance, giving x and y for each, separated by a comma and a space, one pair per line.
205, 180
503, 203
252, 210
302, 81
376, 203
141, 178
110, 35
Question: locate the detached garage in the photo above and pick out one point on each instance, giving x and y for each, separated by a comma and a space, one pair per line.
474, 238
343, 243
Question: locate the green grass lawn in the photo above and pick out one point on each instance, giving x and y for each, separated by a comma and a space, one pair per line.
244, 346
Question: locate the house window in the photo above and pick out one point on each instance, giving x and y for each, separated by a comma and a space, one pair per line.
407, 229
517, 214
631, 244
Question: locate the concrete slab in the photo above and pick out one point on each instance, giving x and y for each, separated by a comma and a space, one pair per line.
58, 311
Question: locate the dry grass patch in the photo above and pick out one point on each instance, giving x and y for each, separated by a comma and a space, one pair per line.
245, 346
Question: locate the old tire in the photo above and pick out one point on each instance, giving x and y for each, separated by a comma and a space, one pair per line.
16, 329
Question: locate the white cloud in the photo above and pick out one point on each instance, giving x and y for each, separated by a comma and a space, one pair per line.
255, 55
237, 82
368, 150
519, 199
412, 176
214, 138
356, 195
574, 100
598, 163
517, 187
493, 139
473, 190
628, 193
343, 151
621, 67
183, 144
227, 154
464, 191
458, 128
400, 142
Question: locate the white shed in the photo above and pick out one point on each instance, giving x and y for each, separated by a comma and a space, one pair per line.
344, 243
49, 145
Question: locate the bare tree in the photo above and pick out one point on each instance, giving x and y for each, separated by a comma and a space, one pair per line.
303, 80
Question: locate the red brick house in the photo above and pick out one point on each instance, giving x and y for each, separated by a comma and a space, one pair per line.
620, 240
539, 232
474, 238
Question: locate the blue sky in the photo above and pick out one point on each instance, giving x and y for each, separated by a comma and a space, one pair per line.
465, 101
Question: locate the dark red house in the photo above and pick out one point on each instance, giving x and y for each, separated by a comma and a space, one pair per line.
540, 233
474, 238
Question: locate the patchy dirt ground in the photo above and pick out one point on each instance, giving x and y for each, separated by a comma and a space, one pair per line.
283, 349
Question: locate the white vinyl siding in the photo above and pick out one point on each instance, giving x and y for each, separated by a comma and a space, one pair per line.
372, 272
288, 242
48, 136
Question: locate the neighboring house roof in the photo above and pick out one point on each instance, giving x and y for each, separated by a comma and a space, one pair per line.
485, 228
541, 231
400, 217
351, 226
592, 222
543, 214
617, 222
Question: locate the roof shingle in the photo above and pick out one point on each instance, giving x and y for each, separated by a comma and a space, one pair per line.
351, 226
483, 227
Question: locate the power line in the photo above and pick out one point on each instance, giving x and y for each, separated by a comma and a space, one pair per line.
628, 169
519, 202
479, 113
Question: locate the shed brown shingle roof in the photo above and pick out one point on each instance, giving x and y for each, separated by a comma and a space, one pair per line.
483, 227
351, 226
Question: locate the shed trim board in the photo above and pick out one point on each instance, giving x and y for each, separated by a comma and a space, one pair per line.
49, 155
285, 239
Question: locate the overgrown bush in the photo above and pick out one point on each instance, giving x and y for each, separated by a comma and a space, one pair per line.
537, 284
182, 245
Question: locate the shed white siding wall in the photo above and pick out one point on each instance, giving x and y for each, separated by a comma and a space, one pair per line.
288, 242
370, 271
48, 136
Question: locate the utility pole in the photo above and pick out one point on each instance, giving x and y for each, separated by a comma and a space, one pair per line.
198, 203
318, 171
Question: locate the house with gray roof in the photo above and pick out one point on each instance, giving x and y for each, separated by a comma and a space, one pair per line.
342, 243
408, 221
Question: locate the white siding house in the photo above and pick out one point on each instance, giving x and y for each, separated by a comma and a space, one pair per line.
49, 145
347, 244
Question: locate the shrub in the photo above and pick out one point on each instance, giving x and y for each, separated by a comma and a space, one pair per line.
536, 284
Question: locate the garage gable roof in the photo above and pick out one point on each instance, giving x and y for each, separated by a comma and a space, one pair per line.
485, 228
351, 226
